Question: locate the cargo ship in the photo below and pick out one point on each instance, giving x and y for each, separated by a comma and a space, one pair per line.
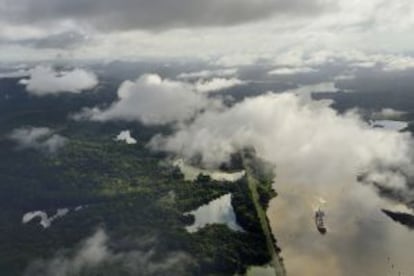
319, 222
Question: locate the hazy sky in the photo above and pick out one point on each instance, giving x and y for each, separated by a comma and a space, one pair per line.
229, 32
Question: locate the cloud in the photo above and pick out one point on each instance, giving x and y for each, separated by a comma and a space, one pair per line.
365, 64
204, 74
40, 138
126, 137
95, 257
317, 153
308, 59
388, 62
306, 91
291, 71
15, 74
44, 80
157, 14
388, 113
377, 80
63, 40
377, 23
217, 84
397, 62
291, 133
152, 100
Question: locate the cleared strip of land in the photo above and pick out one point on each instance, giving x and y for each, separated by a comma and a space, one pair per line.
253, 185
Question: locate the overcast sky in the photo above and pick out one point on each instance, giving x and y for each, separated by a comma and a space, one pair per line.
303, 46
228, 32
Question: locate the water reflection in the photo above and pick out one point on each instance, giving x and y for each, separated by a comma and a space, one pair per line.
217, 211
390, 124
45, 220
191, 173
361, 240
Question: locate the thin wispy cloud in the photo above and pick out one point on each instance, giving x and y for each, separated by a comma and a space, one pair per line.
39, 138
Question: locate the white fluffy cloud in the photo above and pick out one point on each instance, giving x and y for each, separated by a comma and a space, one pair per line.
44, 80
217, 84
152, 100
126, 137
41, 138
292, 133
